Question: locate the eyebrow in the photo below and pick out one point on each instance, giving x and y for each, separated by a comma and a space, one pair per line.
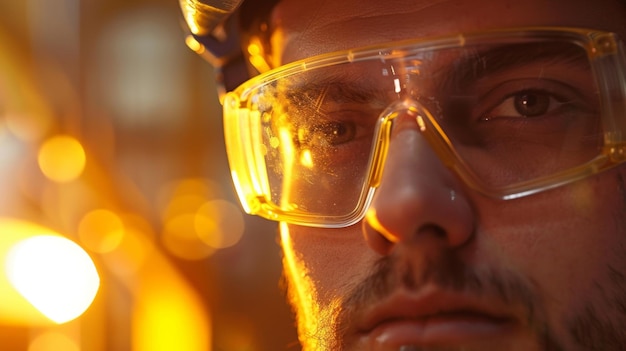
344, 86
340, 88
467, 70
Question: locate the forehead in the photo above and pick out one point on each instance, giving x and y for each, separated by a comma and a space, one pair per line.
306, 28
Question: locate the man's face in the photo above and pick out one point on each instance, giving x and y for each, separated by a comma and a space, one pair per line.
440, 267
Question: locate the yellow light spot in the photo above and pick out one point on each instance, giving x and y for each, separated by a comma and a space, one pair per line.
306, 159
54, 274
52, 341
101, 231
421, 123
168, 314
62, 158
194, 45
274, 142
219, 224
254, 49
372, 219
256, 57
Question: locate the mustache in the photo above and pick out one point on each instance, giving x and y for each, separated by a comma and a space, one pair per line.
448, 273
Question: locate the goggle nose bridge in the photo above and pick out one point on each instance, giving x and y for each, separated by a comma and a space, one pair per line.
427, 126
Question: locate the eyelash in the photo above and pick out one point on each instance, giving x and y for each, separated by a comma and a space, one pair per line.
510, 103
554, 94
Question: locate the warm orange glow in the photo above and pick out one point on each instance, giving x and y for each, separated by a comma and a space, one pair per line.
196, 222
194, 45
306, 159
62, 158
130, 255
180, 239
372, 219
289, 158
303, 289
183, 204
237, 334
54, 274
256, 57
101, 231
44, 277
190, 13
168, 314
254, 49
198, 186
52, 341
28, 127
219, 224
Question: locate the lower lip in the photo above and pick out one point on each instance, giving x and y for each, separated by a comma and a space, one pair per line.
449, 330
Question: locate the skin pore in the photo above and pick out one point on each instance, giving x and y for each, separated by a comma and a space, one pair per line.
551, 265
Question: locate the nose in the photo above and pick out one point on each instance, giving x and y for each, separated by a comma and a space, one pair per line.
418, 197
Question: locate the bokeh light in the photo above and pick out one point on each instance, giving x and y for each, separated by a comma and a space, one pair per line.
104, 137
101, 231
130, 254
170, 315
219, 224
62, 158
180, 238
239, 336
194, 45
28, 127
196, 221
52, 341
54, 274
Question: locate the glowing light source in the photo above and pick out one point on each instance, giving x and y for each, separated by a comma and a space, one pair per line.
194, 45
54, 274
306, 159
421, 123
62, 158
256, 57
396, 84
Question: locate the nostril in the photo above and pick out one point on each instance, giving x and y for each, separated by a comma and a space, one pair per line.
432, 229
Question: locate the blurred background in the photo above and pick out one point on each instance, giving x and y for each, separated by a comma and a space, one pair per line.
119, 228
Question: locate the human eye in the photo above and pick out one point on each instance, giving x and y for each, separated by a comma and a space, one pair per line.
337, 116
533, 99
336, 128
333, 133
527, 103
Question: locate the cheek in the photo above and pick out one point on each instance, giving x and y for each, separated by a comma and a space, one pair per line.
562, 240
324, 262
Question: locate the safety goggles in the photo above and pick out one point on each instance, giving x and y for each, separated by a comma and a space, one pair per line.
511, 112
